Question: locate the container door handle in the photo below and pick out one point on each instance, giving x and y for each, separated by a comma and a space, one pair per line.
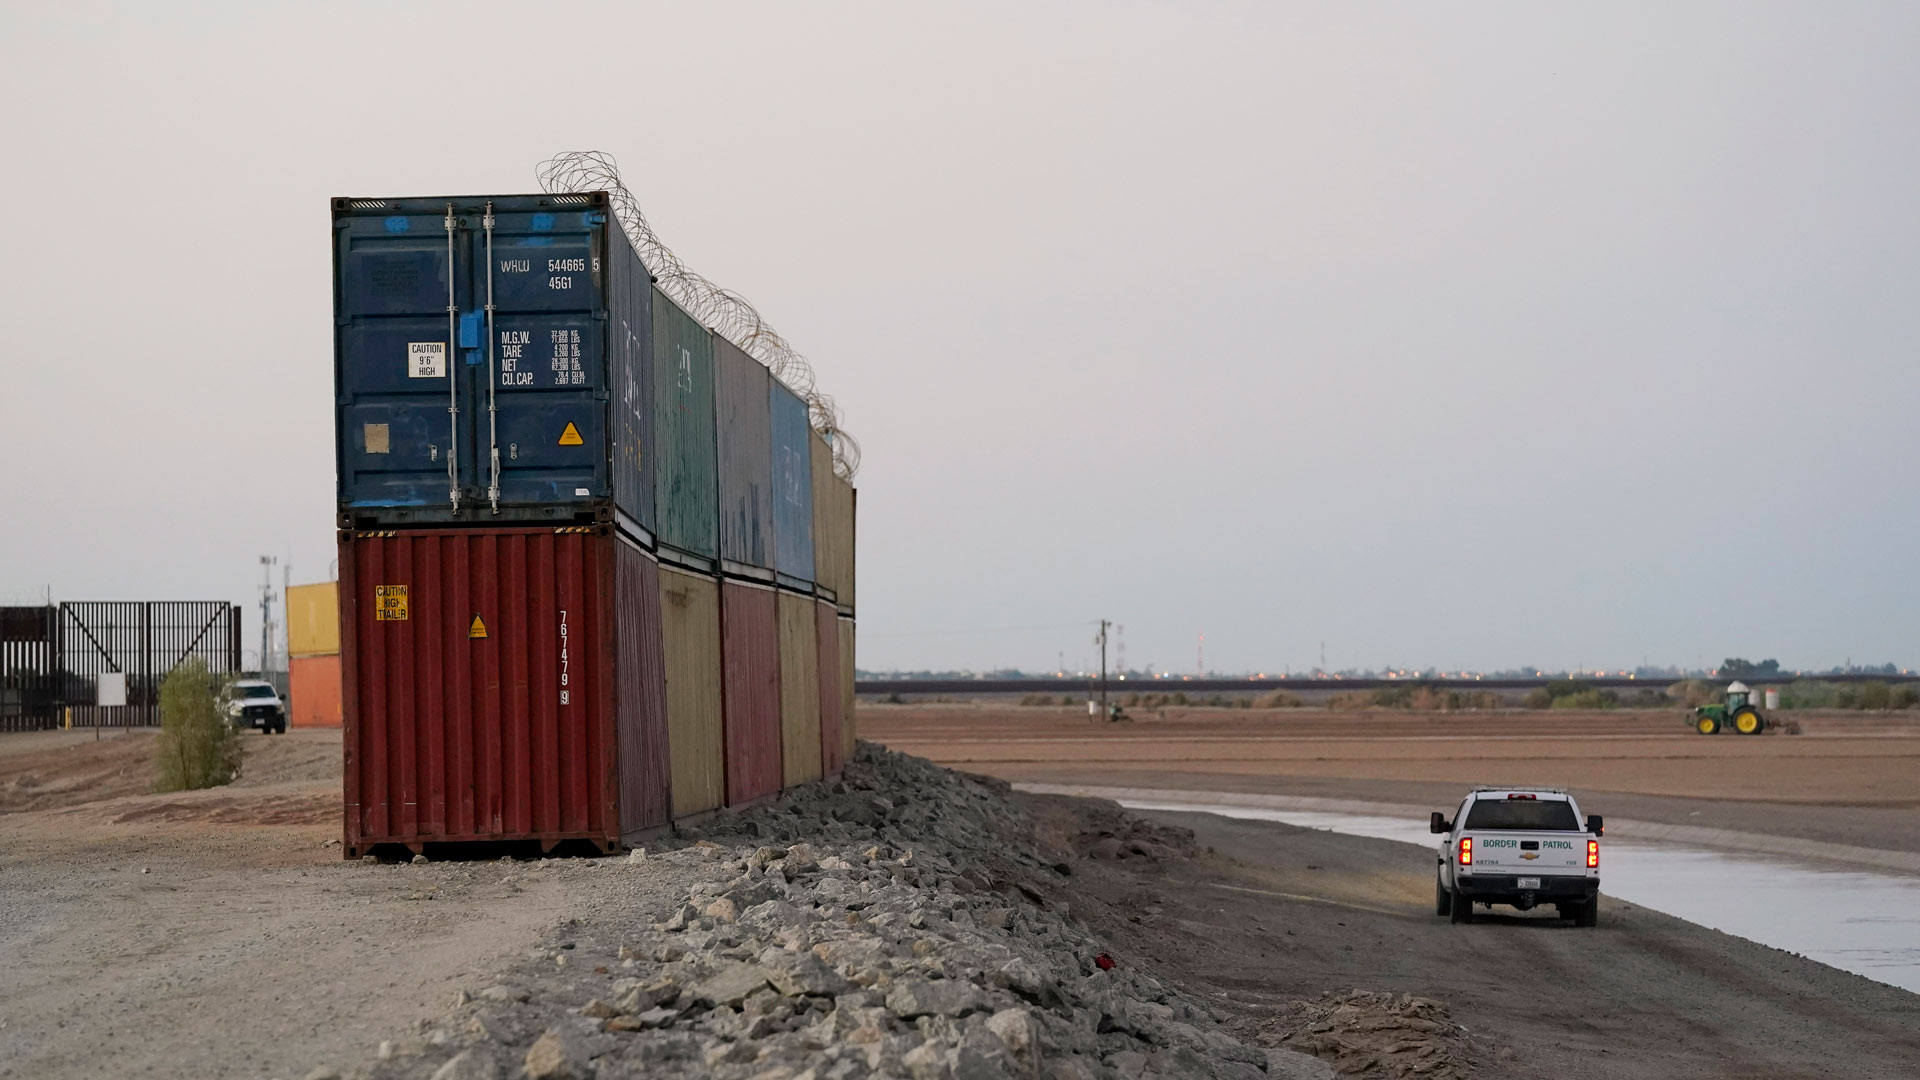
493, 408
453, 383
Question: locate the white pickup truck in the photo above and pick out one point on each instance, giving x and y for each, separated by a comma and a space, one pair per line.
1518, 846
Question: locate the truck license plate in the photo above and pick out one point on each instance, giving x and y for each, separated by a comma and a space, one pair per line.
1529, 882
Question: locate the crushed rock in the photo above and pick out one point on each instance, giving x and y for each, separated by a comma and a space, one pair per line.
899, 920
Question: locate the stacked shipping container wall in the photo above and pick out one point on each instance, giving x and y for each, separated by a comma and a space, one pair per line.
596, 566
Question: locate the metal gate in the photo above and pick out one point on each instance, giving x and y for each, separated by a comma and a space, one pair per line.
29, 658
53, 658
144, 641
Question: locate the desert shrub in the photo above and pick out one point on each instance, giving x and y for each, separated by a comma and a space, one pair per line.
1177, 698
1037, 699
1589, 698
1904, 697
1696, 692
1539, 699
1472, 699
1418, 698
198, 746
1276, 699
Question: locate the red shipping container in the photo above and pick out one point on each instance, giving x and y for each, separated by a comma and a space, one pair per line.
833, 749
750, 700
501, 685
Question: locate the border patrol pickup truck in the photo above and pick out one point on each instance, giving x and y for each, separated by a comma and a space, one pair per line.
1518, 846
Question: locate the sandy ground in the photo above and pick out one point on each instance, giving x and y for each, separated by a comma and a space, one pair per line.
219, 934
1849, 779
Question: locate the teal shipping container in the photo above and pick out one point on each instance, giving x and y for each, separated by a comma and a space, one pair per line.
686, 486
746, 462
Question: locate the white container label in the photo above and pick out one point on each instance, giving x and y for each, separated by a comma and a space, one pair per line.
426, 359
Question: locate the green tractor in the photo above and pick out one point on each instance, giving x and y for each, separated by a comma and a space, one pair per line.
1738, 714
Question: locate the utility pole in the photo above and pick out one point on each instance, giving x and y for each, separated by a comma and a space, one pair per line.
267, 563
1102, 639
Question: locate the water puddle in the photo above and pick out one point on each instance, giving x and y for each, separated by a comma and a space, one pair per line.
1865, 923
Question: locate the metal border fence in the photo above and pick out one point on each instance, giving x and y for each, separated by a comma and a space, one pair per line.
51, 658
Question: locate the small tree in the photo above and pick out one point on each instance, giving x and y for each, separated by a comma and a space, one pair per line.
197, 747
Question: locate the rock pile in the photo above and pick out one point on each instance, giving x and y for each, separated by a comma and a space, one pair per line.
901, 920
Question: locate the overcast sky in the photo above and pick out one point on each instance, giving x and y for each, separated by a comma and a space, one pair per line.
1472, 335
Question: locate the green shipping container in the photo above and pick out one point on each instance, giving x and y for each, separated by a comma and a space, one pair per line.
686, 491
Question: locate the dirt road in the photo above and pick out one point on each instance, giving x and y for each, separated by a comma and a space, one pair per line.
1270, 913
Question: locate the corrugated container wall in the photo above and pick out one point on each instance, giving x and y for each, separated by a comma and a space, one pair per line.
832, 527
750, 661
833, 751
792, 486
746, 455
849, 732
313, 619
799, 689
640, 691
313, 691
690, 623
501, 685
686, 489
550, 391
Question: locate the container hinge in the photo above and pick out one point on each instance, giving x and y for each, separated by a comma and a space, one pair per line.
493, 406
453, 384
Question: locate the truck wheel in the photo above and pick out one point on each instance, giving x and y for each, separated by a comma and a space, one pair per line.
1587, 914
1442, 899
1748, 722
1706, 725
1462, 908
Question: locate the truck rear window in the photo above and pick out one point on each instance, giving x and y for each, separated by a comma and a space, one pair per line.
1499, 814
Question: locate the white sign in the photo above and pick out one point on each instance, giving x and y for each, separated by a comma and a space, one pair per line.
426, 359
112, 689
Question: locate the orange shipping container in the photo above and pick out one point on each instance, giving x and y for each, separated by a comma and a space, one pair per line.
313, 689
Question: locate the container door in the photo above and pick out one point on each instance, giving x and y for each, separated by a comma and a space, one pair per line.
544, 418
401, 445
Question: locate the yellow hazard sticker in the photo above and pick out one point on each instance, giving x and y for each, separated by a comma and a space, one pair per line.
478, 629
390, 603
571, 436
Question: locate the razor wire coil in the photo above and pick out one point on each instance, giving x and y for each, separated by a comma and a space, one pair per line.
720, 310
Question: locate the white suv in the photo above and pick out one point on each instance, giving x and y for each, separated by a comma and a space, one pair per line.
1518, 846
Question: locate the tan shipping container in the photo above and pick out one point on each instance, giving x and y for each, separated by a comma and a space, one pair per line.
833, 538
849, 733
313, 619
833, 741
799, 690
690, 623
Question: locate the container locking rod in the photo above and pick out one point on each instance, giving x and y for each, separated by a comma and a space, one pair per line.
453, 384
493, 408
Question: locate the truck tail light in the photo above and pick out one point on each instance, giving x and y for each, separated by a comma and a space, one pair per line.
1593, 854
1466, 851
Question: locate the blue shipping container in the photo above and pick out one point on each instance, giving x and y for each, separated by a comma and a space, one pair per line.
491, 362
792, 487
